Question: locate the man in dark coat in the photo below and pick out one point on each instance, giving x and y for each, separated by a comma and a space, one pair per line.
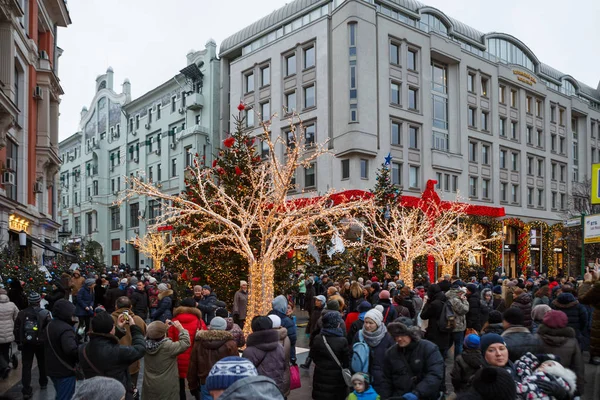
473, 317
518, 338
414, 369
139, 301
61, 349
112, 294
104, 356
58, 292
431, 311
208, 304
576, 313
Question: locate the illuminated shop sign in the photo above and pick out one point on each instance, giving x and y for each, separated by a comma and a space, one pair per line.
525, 77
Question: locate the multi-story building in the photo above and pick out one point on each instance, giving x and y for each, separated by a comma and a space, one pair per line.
29, 108
478, 112
154, 137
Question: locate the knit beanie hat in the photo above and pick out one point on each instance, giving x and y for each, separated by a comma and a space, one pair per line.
124, 281
221, 312
162, 287
218, 324
375, 315
280, 304
99, 388
384, 294
471, 287
495, 317
206, 287
34, 298
321, 298
332, 320
333, 305
514, 316
275, 320
494, 383
152, 280
102, 323
227, 371
488, 339
260, 323
156, 330
363, 307
375, 285
497, 289
555, 319
538, 312
472, 341
188, 302
361, 377
133, 281
89, 282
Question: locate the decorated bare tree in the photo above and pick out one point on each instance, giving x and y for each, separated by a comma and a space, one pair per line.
155, 245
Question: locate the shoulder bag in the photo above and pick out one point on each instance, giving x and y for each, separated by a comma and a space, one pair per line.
346, 373
77, 369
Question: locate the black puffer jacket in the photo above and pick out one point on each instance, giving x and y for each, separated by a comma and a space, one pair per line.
377, 359
266, 353
494, 328
431, 311
64, 341
576, 313
520, 341
524, 302
474, 314
465, 366
111, 296
111, 359
328, 382
389, 312
139, 303
417, 368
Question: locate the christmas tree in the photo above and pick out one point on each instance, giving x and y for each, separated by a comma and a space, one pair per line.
15, 265
385, 192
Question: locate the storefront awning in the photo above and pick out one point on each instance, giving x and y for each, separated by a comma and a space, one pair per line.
49, 247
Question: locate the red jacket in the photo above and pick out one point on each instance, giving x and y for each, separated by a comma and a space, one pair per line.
350, 318
191, 319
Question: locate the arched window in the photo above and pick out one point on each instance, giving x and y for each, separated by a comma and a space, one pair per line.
102, 85
509, 53
430, 23
568, 88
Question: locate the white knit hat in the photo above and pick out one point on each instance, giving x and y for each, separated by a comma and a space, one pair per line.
276, 321
375, 315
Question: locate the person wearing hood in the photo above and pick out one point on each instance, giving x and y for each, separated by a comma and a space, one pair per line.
100, 290
376, 336
473, 317
16, 294
284, 341
543, 378
210, 346
280, 306
160, 361
84, 304
542, 296
8, 316
576, 313
537, 316
498, 300
165, 304
328, 381
232, 327
432, 309
460, 306
58, 292
153, 292
123, 306
402, 376
240, 305
519, 339
264, 351
362, 389
467, 364
61, 349
76, 283
408, 296
358, 324
522, 300
486, 305
235, 378
389, 312
208, 304
559, 339
111, 295
139, 300
190, 317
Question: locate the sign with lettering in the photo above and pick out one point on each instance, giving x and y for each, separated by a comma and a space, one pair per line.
591, 233
525, 77
595, 195
18, 224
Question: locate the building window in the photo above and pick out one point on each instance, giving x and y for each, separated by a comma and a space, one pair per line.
485, 188
394, 54
439, 78
561, 117
115, 218
502, 94
513, 98
95, 186
290, 101
265, 75
561, 145
364, 168
188, 156
563, 174
484, 120
149, 115
484, 87
540, 168
530, 196
471, 82
440, 141
153, 211
309, 57
540, 138
173, 104
513, 130
553, 171
503, 191
345, 169
529, 135
563, 202
353, 90
528, 104
515, 193
440, 112
173, 168
309, 135
265, 111
396, 134
472, 151
503, 127
529, 165
553, 142
77, 226
353, 112
472, 186
290, 63
413, 99
438, 178
540, 199
503, 159
538, 108
249, 117
264, 149
413, 176
158, 173
90, 223
413, 136
471, 116
553, 113
515, 161
249, 81
352, 38
485, 154
395, 93
396, 173
554, 200
412, 60
309, 96
157, 115
309, 176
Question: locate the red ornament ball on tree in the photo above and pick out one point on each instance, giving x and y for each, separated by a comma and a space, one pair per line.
290, 254
214, 164
238, 170
241, 106
229, 141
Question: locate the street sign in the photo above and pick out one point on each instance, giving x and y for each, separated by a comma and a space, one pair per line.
595, 195
591, 231
572, 222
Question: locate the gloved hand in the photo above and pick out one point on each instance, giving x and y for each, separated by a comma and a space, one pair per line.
195, 393
553, 389
410, 396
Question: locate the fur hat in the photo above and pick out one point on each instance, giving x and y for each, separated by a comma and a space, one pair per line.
497, 289
396, 329
375, 315
218, 324
156, 330
227, 371
513, 316
494, 383
538, 312
555, 319
275, 320
384, 294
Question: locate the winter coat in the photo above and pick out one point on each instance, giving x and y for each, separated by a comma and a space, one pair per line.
208, 306
99, 292
523, 302
562, 342
466, 365
76, 284
160, 367
240, 304
416, 368
16, 295
401, 311
139, 303
576, 313
165, 304
592, 297
85, 298
312, 321
252, 387
328, 382
111, 296
376, 359
460, 305
153, 293
528, 376
285, 342
519, 341
309, 298
266, 353
110, 358
389, 312
8, 316
349, 320
57, 294
60, 333
369, 394
494, 328
191, 320
473, 317
485, 307
288, 324
540, 300
209, 347
126, 339
236, 331
431, 311
408, 303
499, 303
354, 328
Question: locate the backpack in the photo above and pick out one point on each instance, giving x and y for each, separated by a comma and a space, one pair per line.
447, 319
33, 324
360, 355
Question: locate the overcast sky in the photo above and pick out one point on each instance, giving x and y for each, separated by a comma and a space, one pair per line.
147, 40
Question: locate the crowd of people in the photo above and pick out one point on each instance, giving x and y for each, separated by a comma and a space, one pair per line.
368, 339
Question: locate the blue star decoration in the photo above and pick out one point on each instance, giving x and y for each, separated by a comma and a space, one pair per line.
388, 159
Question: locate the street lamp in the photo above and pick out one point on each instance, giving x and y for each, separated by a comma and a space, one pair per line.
503, 235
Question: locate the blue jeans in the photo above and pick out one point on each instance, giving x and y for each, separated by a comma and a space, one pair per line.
205, 394
64, 387
457, 339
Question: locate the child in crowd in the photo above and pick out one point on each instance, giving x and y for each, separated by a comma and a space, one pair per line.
362, 389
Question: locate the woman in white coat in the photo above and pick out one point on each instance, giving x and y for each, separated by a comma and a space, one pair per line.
8, 315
